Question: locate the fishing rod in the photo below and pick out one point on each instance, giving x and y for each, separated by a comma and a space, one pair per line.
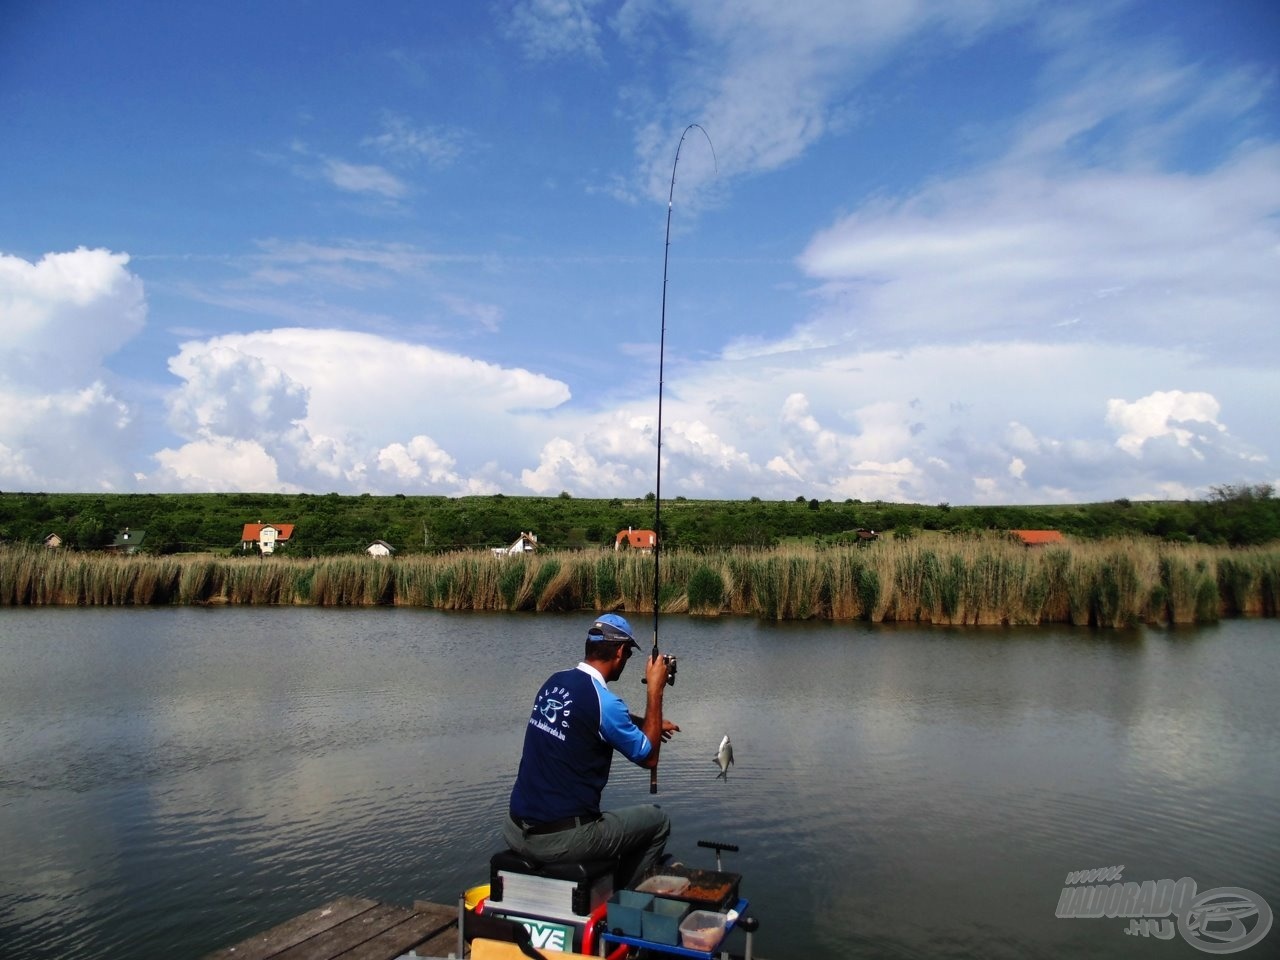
662, 345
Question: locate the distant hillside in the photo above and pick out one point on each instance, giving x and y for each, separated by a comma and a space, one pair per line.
333, 524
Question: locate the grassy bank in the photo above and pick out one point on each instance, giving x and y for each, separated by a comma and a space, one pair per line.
948, 581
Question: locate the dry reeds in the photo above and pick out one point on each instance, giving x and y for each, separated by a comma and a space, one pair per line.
1112, 583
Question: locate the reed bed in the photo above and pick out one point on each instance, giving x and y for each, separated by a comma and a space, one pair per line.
1111, 583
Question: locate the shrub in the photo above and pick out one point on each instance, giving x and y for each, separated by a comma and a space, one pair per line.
705, 590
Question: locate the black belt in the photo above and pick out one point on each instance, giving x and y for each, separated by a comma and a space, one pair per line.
555, 826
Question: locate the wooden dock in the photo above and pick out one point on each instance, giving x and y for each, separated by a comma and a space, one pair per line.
354, 928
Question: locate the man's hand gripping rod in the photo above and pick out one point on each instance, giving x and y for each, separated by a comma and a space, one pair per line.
671, 680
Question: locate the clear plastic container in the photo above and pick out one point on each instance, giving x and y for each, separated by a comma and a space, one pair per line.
664, 885
703, 930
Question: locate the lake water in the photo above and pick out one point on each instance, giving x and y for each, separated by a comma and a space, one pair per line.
174, 780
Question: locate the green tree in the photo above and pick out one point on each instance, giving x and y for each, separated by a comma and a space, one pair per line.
1241, 515
90, 533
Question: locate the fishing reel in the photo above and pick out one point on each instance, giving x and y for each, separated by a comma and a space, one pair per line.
670, 661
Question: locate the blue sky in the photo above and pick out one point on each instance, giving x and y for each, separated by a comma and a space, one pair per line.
969, 251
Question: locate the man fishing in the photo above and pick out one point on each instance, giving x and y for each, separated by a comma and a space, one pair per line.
575, 726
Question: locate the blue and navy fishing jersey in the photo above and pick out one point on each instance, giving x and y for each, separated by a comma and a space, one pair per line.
575, 726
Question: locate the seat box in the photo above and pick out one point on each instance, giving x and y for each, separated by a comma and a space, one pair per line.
563, 891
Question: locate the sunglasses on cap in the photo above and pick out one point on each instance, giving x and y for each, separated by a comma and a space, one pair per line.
608, 632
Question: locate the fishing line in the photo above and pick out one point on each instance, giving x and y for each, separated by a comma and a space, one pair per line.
662, 346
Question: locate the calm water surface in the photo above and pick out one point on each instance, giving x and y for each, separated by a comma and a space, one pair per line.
174, 780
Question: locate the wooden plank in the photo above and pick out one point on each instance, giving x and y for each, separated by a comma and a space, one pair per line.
443, 944
336, 941
293, 932
482, 949
445, 917
420, 927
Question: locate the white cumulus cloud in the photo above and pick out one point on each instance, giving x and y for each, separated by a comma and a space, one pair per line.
221, 465
420, 458
66, 313
352, 410
233, 394
1184, 416
64, 425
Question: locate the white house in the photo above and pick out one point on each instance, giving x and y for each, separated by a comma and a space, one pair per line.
525, 543
380, 548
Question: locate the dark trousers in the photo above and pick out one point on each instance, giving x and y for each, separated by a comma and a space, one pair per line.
635, 836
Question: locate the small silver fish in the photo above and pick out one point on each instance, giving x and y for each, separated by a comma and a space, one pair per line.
724, 757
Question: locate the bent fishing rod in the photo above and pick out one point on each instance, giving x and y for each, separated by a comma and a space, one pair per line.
657, 504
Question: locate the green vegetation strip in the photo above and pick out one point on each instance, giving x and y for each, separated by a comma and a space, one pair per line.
330, 524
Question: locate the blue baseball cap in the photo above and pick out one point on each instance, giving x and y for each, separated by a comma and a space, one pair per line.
610, 626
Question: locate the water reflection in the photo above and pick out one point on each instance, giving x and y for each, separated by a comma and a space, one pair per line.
174, 780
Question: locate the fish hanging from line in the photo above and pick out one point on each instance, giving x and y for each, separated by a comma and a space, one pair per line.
724, 757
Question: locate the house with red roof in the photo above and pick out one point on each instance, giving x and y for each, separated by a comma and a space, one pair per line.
645, 540
1038, 538
265, 536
